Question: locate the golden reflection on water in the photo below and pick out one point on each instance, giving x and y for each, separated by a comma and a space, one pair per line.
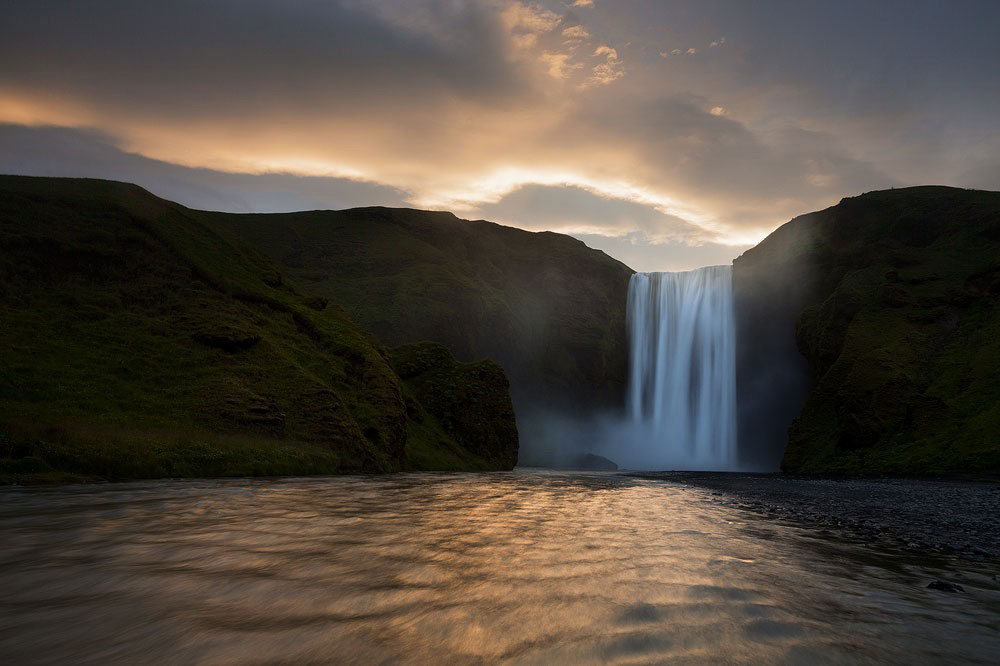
524, 568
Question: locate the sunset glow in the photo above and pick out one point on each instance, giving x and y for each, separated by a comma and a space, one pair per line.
690, 128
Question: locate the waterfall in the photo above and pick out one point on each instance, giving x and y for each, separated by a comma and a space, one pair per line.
682, 367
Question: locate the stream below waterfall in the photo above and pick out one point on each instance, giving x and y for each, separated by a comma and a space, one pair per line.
528, 567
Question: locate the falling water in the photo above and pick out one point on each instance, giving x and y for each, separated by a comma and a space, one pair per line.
682, 383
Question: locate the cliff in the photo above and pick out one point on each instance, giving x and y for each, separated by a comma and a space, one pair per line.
469, 401
547, 308
140, 339
894, 301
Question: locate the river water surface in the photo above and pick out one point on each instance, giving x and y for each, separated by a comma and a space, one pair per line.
524, 567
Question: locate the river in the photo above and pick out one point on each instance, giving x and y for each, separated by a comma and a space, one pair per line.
527, 567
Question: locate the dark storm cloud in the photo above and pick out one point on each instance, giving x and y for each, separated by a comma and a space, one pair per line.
188, 57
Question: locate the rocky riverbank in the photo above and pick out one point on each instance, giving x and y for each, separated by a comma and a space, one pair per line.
954, 518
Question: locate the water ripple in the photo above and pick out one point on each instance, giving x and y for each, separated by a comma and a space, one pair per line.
520, 568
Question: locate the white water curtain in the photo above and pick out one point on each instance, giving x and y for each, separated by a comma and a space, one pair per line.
682, 382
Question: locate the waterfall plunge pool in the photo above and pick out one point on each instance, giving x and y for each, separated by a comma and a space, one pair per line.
526, 567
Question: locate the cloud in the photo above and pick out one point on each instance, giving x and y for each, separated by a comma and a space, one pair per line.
677, 52
719, 163
58, 151
558, 64
443, 104
983, 176
640, 253
639, 235
527, 19
717, 43
187, 58
575, 32
582, 3
608, 71
576, 210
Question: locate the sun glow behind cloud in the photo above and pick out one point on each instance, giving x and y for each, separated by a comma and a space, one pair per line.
465, 188
494, 186
680, 135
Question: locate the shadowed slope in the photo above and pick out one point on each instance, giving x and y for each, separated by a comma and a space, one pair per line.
470, 402
894, 297
140, 339
549, 309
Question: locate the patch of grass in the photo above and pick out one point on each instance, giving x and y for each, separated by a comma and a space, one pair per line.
117, 453
429, 447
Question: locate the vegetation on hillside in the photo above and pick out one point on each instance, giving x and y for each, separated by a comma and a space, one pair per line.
899, 322
139, 339
469, 401
142, 339
546, 307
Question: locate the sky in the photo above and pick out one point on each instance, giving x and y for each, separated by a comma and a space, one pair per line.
670, 135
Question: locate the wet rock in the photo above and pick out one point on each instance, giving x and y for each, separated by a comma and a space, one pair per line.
945, 587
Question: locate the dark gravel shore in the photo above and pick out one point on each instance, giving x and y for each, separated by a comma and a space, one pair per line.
956, 518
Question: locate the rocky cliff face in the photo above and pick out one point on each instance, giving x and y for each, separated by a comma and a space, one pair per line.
894, 300
139, 339
772, 283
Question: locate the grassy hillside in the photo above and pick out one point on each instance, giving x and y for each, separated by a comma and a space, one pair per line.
549, 309
140, 339
469, 402
898, 300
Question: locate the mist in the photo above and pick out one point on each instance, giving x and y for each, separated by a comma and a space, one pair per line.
559, 440
715, 377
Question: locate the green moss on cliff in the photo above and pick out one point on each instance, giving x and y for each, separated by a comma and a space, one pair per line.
901, 331
470, 402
